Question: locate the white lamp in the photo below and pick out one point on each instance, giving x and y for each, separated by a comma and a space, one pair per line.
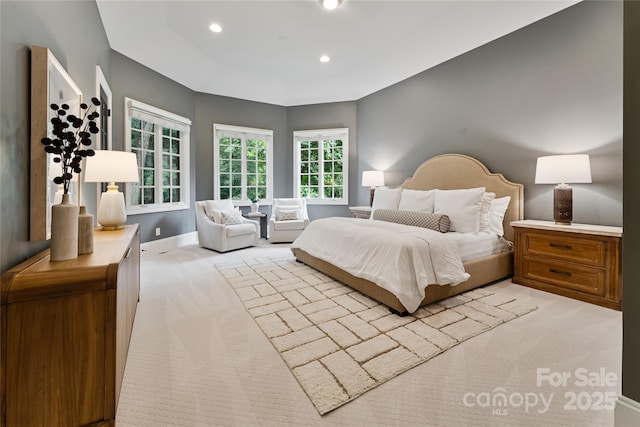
372, 179
562, 170
111, 166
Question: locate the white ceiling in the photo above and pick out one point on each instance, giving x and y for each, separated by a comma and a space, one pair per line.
269, 50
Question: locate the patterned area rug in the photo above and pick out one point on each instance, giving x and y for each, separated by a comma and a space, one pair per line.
339, 343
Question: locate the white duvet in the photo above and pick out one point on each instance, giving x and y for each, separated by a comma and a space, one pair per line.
400, 259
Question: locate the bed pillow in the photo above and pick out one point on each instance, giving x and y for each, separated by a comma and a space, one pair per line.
485, 212
386, 198
430, 220
287, 214
498, 209
417, 200
232, 217
462, 207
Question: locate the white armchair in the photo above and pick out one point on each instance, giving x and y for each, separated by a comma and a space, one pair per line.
288, 219
223, 237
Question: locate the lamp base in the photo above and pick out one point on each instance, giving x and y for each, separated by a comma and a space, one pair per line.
111, 227
372, 192
563, 204
112, 213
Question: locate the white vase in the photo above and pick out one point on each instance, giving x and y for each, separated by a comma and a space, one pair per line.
64, 230
254, 207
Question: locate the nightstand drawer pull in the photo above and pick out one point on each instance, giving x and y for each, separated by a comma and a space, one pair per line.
560, 246
564, 273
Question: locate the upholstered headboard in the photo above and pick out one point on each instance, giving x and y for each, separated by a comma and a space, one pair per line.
453, 171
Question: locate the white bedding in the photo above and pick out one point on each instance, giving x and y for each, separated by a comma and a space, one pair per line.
399, 258
478, 245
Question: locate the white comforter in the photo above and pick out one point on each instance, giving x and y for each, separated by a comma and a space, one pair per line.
399, 258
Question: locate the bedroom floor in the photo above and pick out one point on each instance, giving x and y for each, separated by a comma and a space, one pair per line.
197, 358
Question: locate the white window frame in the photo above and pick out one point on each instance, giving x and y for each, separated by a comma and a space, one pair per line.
322, 134
242, 133
161, 118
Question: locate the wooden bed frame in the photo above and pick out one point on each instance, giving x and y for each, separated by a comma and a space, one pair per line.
446, 172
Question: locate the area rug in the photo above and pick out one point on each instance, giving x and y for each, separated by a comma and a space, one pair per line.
339, 343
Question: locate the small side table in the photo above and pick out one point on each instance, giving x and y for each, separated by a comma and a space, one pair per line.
262, 218
360, 211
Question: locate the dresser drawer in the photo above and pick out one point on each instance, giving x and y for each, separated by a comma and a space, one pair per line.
584, 251
568, 276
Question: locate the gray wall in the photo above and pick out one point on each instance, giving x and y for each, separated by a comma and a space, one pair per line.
553, 87
73, 32
212, 109
631, 240
324, 116
133, 80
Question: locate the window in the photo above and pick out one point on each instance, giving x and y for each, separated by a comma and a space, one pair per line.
242, 163
321, 167
160, 140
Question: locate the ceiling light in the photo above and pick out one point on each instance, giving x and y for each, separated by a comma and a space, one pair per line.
216, 28
325, 58
331, 4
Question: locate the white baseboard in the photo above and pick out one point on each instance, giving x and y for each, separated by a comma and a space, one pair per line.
627, 412
169, 243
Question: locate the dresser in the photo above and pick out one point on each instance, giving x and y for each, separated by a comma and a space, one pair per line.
579, 261
66, 328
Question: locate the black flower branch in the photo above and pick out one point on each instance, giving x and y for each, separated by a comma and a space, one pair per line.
71, 139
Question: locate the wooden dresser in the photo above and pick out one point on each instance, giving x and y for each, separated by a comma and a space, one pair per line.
578, 261
65, 333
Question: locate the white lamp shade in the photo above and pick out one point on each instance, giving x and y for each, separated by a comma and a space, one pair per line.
372, 178
563, 169
111, 166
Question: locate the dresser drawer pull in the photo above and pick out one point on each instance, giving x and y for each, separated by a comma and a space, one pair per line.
560, 246
564, 273
128, 252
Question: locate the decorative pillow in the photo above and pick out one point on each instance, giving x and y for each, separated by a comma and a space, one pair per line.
213, 208
430, 220
417, 200
462, 207
287, 214
231, 217
498, 209
485, 212
386, 198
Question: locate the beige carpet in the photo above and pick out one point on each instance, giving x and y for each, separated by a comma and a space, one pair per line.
339, 343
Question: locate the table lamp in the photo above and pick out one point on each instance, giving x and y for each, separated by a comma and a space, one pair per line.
111, 166
372, 179
562, 170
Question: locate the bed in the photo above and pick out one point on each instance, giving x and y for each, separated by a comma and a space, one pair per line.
445, 172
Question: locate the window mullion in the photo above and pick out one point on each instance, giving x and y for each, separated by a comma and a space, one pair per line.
243, 165
321, 169
158, 164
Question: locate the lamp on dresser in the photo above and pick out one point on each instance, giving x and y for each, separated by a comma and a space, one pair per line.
112, 167
372, 179
563, 170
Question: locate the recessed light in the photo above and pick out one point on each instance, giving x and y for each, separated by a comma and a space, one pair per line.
216, 28
325, 58
331, 4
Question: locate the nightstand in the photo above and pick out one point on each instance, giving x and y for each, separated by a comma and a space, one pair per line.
360, 211
578, 261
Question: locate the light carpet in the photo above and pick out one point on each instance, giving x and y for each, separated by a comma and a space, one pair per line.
339, 343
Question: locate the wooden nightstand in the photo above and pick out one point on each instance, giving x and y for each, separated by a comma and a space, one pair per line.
360, 211
578, 261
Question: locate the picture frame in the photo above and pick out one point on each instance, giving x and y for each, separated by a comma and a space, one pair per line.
50, 83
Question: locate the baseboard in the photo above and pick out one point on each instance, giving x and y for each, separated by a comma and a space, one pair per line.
169, 243
627, 412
